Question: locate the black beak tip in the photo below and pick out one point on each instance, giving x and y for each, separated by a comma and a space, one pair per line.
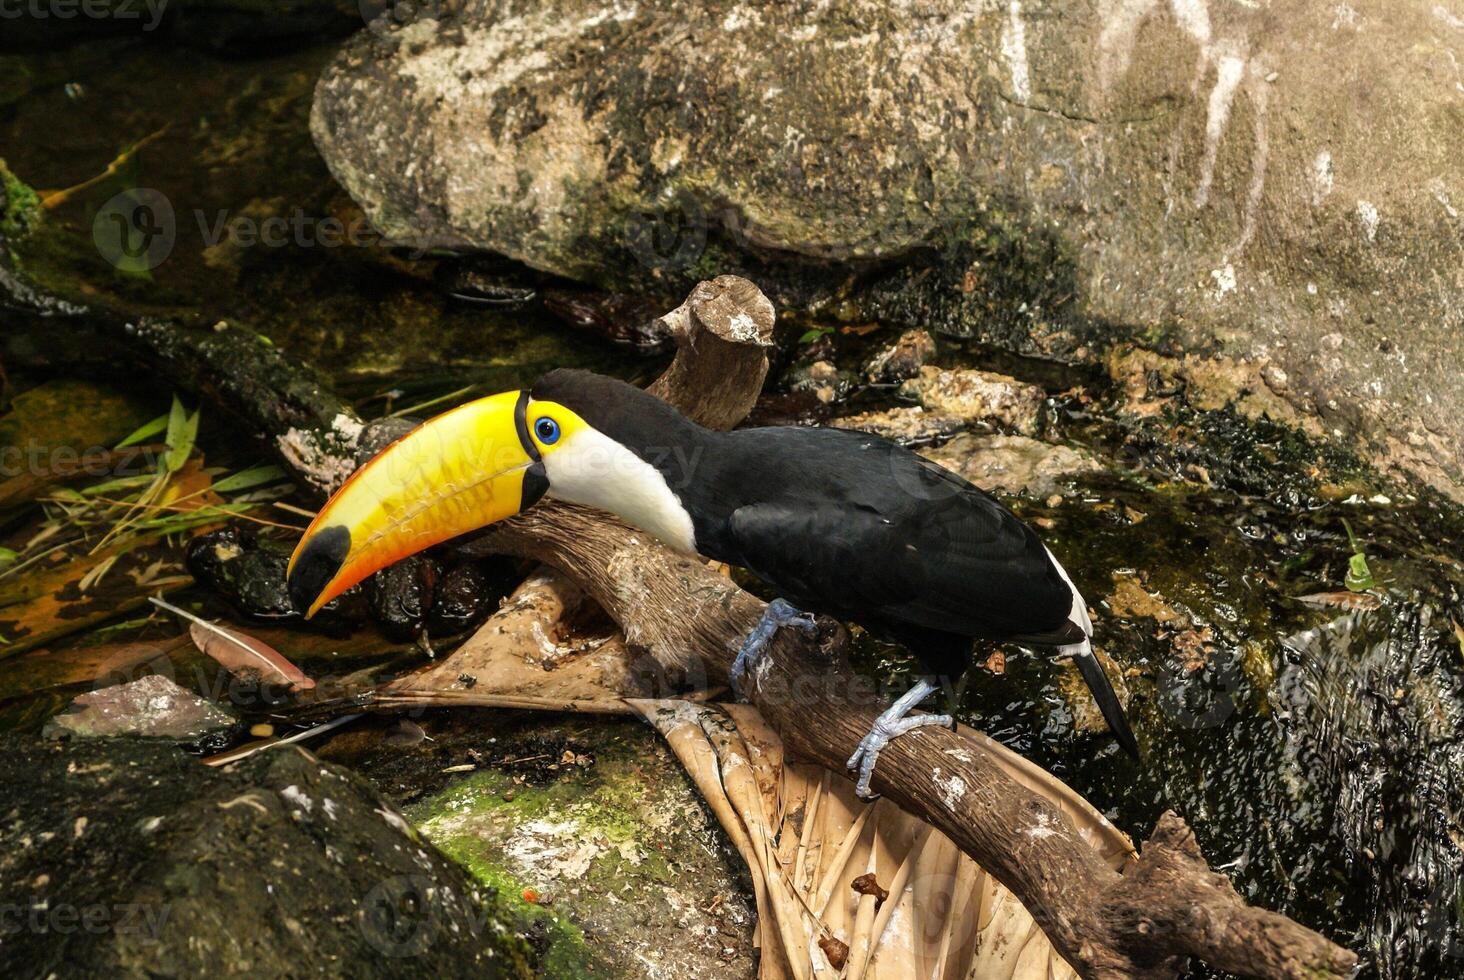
318, 563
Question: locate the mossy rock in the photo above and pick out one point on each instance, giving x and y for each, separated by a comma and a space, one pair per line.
135, 860
20, 207
593, 820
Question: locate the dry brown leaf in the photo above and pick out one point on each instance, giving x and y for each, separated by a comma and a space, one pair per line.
1340, 600
239, 653
820, 857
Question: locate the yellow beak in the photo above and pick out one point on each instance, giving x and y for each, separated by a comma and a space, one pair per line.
461, 471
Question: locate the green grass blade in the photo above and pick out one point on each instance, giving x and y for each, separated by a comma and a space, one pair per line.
245, 479
145, 431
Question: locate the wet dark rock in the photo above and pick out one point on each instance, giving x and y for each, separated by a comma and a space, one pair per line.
249, 572
1046, 180
129, 858
403, 600
593, 814
977, 396
464, 595
632, 321
151, 707
902, 360
401, 595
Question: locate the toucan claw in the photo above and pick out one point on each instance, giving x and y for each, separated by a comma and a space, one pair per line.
887, 727
779, 613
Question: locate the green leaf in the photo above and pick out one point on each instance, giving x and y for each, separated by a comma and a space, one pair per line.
145, 431
253, 477
7, 556
1359, 577
182, 431
809, 336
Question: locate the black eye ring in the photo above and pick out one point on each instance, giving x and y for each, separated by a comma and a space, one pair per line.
547, 431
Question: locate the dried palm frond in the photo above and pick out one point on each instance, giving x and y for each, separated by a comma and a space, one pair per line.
876, 890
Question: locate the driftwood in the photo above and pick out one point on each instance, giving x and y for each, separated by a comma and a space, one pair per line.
1146, 923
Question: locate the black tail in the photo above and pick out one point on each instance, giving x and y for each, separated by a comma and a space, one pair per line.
1097, 681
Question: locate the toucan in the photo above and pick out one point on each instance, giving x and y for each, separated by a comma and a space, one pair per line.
835, 521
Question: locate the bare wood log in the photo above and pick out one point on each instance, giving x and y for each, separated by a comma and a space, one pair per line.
722, 332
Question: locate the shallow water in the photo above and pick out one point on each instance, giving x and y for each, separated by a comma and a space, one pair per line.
1316, 752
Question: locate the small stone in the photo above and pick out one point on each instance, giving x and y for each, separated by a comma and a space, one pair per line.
823, 379
151, 707
909, 425
904, 359
1013, 464
977, 396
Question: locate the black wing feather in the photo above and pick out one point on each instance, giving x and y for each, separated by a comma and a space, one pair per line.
961, 564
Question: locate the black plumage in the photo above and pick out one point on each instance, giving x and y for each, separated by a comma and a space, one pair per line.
851, 525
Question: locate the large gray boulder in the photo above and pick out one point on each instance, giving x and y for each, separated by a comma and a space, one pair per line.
1276, 182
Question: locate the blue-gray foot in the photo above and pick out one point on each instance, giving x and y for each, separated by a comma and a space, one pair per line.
891, 725
778, 614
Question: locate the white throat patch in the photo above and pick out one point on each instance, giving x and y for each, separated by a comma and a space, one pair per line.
592, 469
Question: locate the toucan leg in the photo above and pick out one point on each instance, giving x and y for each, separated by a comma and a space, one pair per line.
778, 614
890, 725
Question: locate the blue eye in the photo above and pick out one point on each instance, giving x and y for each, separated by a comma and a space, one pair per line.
547, 431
